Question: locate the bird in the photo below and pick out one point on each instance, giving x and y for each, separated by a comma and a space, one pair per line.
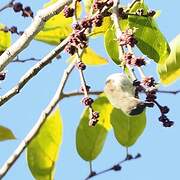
120, 91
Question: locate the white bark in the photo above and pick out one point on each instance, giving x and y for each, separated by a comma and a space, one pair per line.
28, 35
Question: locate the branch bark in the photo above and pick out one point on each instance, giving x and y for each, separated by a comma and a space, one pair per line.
45, 113
32, 72
28, 35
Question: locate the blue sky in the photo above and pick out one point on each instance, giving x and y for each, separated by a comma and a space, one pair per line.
159, 146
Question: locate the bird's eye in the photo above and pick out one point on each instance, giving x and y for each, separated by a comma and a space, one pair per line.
108, 81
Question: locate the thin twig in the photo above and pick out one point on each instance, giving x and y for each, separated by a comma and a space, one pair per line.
33, 132
115, 19
28, 35
96, 93
8, 5
115, 167
32, 72
17, 60
131, 5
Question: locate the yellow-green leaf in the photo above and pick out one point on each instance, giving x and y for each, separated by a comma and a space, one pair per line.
88, 4
111, 45
90, 140
107, 23
127, 129
57, 28
6, 134
43, 150
90, 57
169, 71
5, 39
150, 39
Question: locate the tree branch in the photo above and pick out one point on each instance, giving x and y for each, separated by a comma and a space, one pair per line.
8, 5
33, 132
28, 35
32, 72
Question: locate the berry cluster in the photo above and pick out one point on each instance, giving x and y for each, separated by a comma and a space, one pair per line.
131, 59
100, 4
26, 11
147, 84
12, 30
127, 38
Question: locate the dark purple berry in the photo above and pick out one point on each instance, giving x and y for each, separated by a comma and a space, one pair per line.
80, 65
13, 29
129, 157
117, 167
151, 13
2, 76
87, 101
137, 156
17, 7
164, 109
68, 12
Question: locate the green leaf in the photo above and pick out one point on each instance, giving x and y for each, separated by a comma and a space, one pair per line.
90, 140
42, 152
88, 4
5, 39
6, 134
127, 129
107, 23
111, 45
150, 39
57, 28
170, 70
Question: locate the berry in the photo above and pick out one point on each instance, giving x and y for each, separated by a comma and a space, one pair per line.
80, 65
2, 76
117, 167
87, 101
151, 13
68, 12
13, 29
149, 81
98, 20
164, 109
87, 88
140, 12
93, 122
17, 7
95, 115
27, 12
137, 156
70, 49
129, 157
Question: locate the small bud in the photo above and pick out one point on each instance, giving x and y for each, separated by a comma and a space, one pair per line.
80, 65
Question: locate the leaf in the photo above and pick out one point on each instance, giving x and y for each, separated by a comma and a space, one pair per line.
42, 152
111, 45
150, 39
170, 70
89, 57
90, 140
88, 4
127, 129
5, 39
6, 134
57, 28
107, 23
